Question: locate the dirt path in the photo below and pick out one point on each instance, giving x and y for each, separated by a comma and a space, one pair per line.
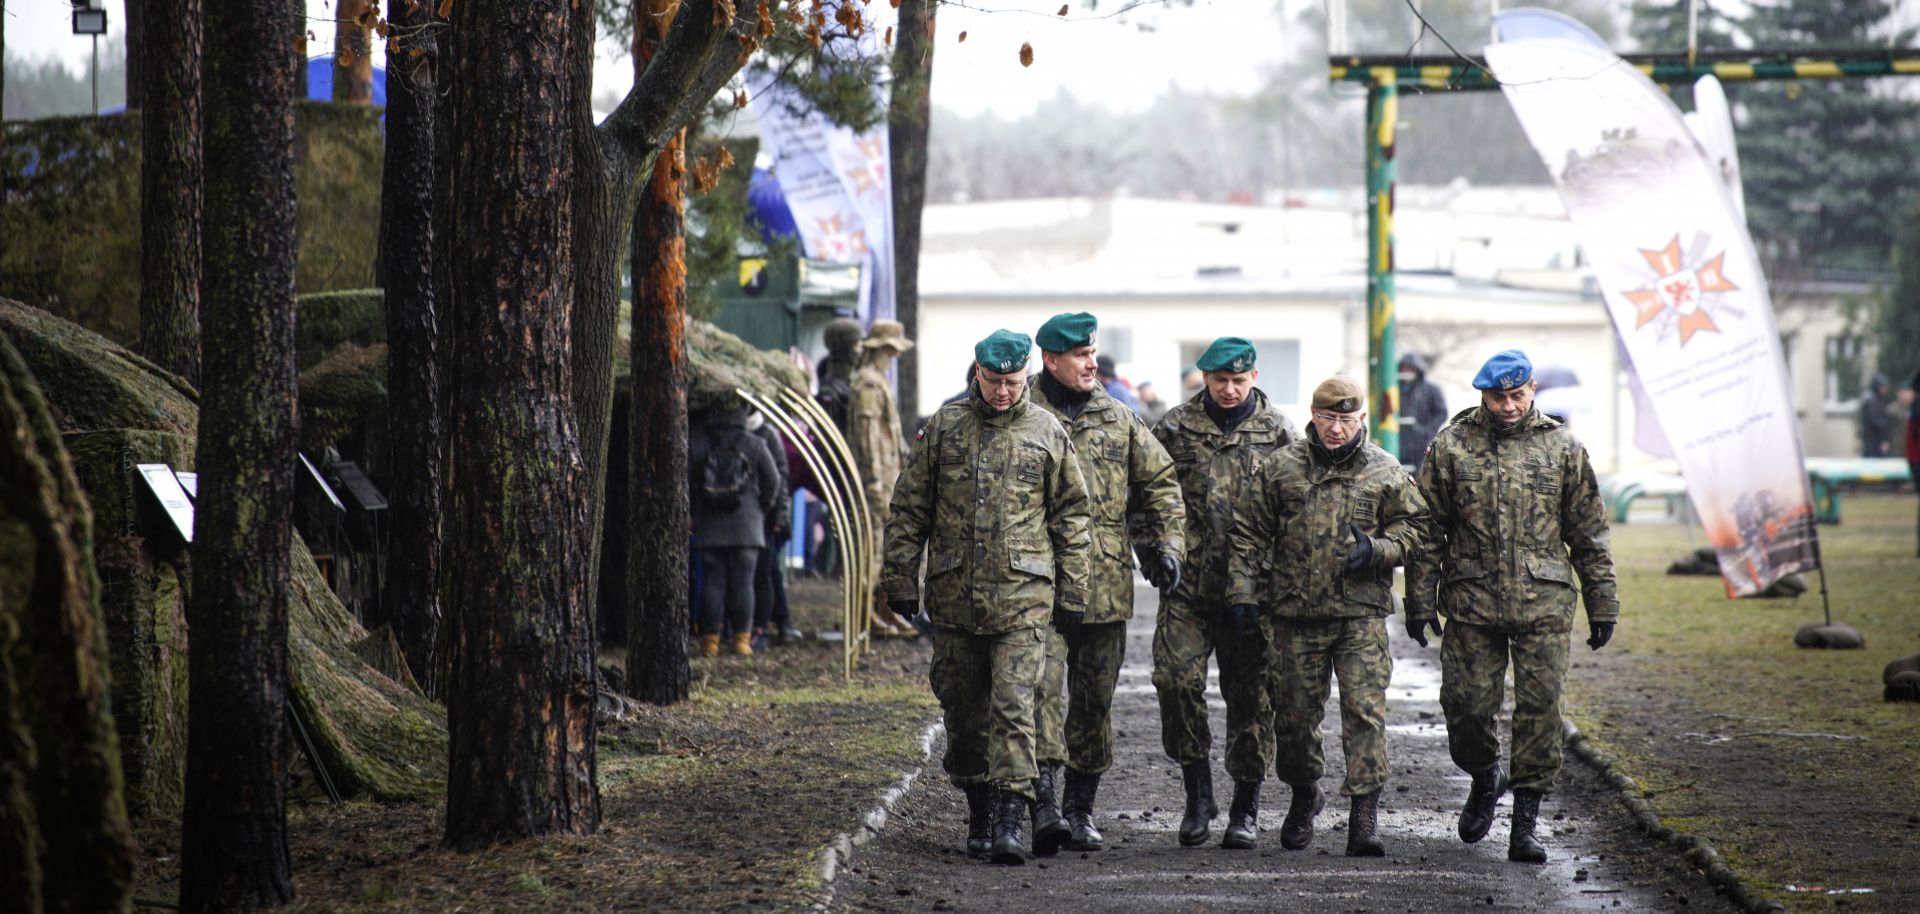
1598, 862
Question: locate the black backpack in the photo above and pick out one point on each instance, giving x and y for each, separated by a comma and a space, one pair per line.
725, 477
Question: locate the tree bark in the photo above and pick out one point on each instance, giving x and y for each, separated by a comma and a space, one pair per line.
907, 148
411, 601
353, 53
171, 184
657, 608
234, 851
138, 37
65, 844
521, 697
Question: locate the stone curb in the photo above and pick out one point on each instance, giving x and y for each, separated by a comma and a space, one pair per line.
1697, 851
839, 853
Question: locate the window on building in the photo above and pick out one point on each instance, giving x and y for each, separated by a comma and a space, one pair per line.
1846, 370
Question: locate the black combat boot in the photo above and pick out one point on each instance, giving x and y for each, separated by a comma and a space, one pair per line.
1198, 820
1296, 831
1079, 809
1009, 831
1522, 847
979, 819
1243, 821
1477, 816
1362, 822
1049, 830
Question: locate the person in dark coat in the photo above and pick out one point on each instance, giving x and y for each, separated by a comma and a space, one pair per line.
769, 580
733, 487
1876, 419
1423, 409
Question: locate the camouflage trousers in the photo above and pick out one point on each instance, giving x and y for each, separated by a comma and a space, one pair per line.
1307, 655
1074, 708
986, 684
1473, 673
1183, 636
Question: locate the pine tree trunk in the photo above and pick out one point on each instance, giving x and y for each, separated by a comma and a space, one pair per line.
352, 54
657, 498
521, 697
64, 840
234, 852
603, 187
170, 188
411, 601
907, 148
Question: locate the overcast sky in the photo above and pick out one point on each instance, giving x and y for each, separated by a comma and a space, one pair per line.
1215, 46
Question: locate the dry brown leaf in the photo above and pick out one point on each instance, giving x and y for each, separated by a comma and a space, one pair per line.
300, 44
740, 99
894, 3
365, 18
417, 53
888, 40
1026, 54
446, 9
764, 28
393, 46
1063, 10
724, 156
813, 33
963, 35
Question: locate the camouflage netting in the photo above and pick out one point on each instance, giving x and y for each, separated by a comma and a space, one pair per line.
71, 222
375, 736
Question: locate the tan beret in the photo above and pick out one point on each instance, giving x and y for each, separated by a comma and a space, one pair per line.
1340, 394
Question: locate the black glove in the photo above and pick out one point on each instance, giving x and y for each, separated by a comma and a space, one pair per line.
1067, 622
1362, 554
1602, 632
1417, 628
1246, 618
907, 610
1167, 573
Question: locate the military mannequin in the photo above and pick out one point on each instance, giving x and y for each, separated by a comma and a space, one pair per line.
994, 498
1130, 484
1216, 440
1314, 547
873, 434
1516, 512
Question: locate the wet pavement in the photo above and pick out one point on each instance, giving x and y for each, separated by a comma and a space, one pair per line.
1597, 862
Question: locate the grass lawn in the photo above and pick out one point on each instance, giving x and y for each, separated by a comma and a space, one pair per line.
1788, 760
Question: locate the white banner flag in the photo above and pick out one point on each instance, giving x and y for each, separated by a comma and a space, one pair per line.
838, 183
1685, 291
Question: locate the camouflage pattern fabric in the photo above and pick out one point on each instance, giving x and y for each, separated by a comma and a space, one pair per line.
1213, 468
1077, 727
1183, 636
997, 502
874, 437
1308, 653
985, 684
1516, 511
1130, 485
1293, 529
1473, 671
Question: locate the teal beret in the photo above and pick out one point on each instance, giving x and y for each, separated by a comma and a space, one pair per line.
1005, 352
1067, 332
1228, 353
1507, 370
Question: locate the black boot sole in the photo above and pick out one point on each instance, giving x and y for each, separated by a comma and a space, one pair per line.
1048, 839
1005, 857
1373, 849
1474, 835
1533, 855
1239, 841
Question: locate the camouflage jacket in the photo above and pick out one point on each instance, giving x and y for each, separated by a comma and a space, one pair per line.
1129, 477
873, 434
1214, 468
1291, 533
999, 505
1515, 512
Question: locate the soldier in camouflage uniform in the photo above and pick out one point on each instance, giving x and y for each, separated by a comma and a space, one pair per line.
1129, 479
873, 434
1516, 512
1314, 546
1216, 440
993, 496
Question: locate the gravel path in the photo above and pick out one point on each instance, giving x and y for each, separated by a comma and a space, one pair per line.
1597, 861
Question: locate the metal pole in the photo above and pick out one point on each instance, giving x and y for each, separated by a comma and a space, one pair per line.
96, 75
1383, 109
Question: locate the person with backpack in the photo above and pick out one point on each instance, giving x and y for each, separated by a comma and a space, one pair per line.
734, 487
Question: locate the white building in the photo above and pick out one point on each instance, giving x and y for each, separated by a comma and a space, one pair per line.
1480, 270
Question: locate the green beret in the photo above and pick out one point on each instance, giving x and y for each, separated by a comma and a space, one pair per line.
1005, 352
1067, 332
1228, 353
